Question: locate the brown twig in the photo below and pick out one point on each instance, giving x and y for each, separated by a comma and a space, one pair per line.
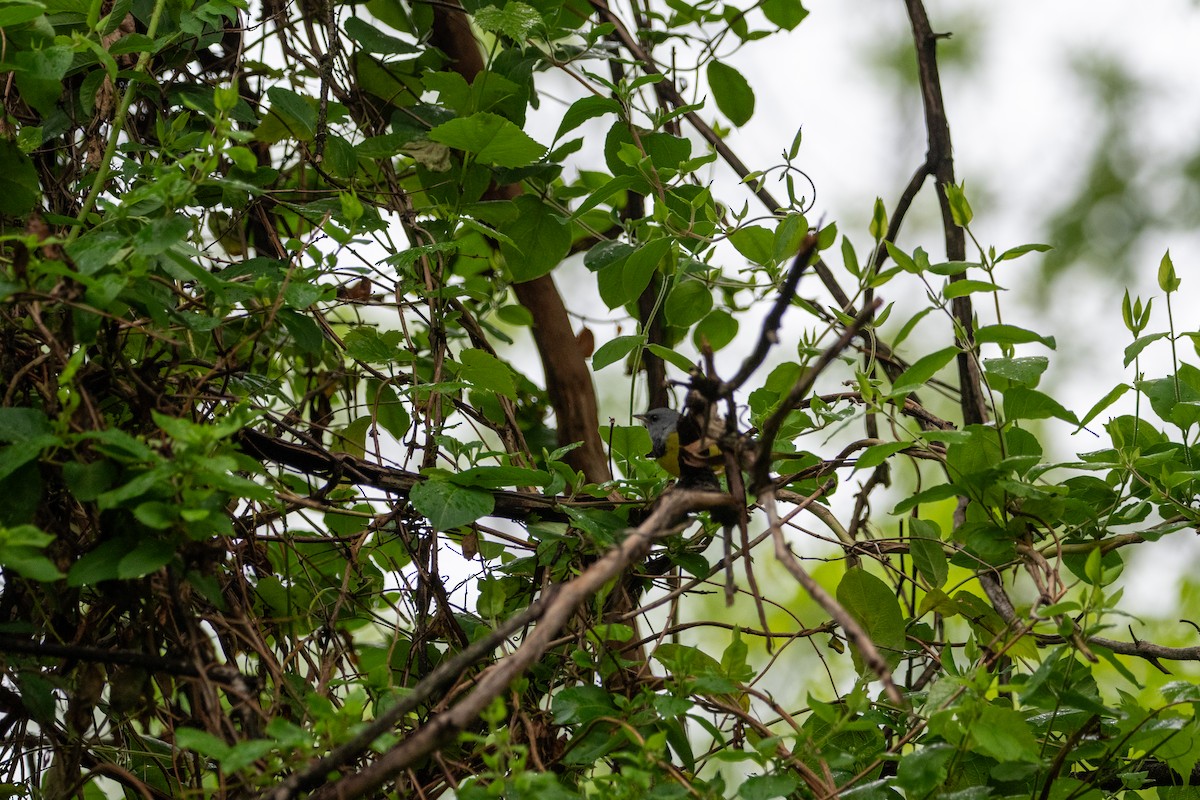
854, 632
940, 160
760, 474
768, 335
557, 611
450, 669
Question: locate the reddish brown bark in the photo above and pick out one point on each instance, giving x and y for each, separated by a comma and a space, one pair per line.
568, 379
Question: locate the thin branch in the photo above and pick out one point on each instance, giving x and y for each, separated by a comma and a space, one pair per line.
940, 160
558, 610
770, 429
445, 673
769, 333
854, 632
666, 88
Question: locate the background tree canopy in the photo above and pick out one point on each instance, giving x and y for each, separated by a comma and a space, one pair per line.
307, 318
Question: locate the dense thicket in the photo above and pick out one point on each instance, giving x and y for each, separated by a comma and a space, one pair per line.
289, 508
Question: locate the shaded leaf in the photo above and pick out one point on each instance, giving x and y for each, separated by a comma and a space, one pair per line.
447, 505
732, 92
492, 138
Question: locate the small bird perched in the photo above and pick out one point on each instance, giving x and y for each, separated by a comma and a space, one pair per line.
663, 425
692, 455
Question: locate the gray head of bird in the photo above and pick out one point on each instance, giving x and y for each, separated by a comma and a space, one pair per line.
660, 423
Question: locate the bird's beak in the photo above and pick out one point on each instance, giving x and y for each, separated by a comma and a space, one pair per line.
640, 417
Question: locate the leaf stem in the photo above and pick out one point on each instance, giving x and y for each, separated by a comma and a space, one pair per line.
118, 124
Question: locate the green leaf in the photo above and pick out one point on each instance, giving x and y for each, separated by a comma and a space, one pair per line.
873, 604
245, 753
733, 660
917, 375
492, 594
202, 742
850, 258
342, 162
500, 477
1020, 250
15, 12
1003, 734
794, 150
925, 546
387, 409
374, 40
492, 138
717, 329
606, 254
688, 303
485, 372
934, 494
960, 209
685, 661
950, 268
615, 186
879, 221
1168, 281
876, 454
768, 787
304, 331
19, 187
614, 350
965, 287
1113, 395
18, 424
1021, 402
21, 549
101, 564
1025, 371
665, 150
39, 75
156, 514
903, 260
1011, 334
18, 454
578, 705
790, 236
584, 109
925, 769
146, 557
297, 113
640, 267
787, 14
541, 239
447, 505
671, 357
515, 20
754, 242
732, 92
367, 344
1135, 349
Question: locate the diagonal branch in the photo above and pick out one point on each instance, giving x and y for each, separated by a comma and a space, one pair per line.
445, 673
558, 610
854, 632
766, 440
768, 335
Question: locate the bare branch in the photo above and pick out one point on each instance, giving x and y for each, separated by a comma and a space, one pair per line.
854, 632
558, 610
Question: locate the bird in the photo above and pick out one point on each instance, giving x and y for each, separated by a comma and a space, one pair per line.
679, 445
663, 425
